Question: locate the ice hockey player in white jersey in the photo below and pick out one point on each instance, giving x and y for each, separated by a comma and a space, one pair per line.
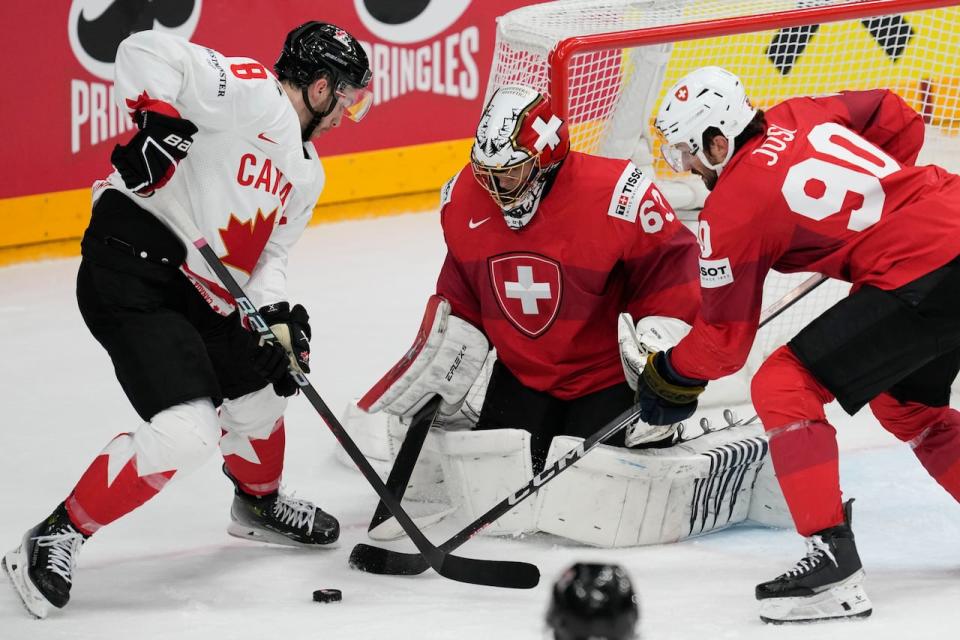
228, 143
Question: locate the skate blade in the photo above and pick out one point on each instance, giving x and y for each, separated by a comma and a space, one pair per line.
238, 530
846, 599
15, 566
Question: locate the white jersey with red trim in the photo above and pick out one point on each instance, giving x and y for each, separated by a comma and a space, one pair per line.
249, 183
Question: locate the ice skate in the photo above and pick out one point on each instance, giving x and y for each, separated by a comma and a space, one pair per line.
41, 568
279, 519
826, 584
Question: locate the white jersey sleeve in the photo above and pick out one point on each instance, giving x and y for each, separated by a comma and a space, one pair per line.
201, 84
248, 183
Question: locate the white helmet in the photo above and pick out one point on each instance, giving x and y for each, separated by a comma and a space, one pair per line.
707, 97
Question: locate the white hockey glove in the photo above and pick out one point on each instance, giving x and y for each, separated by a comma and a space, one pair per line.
445, 359
652, 334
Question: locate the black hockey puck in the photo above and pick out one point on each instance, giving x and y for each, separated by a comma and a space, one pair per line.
327, 595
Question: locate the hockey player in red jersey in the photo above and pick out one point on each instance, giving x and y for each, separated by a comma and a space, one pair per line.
545, 248
830, 185
230, 143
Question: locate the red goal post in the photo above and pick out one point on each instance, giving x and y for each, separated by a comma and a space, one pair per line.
607, 63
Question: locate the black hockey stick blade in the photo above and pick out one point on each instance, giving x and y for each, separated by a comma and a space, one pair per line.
514, 575
370, 559
501, 573
406, 458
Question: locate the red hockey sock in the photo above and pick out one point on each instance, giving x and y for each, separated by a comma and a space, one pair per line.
803, 445
112, 487
255, 463
933, 433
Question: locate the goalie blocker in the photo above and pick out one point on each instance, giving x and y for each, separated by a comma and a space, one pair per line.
445, 359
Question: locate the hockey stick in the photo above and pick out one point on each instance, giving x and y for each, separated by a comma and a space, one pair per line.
494, 573
406, 460
373, 559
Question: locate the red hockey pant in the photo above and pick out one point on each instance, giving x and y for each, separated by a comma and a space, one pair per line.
803, 445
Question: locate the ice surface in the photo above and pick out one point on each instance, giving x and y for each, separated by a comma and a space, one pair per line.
169, 570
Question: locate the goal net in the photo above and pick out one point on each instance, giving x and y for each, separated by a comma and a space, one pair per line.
607, 63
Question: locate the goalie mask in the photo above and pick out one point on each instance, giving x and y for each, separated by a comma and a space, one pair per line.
707, 97
593, 601
520, 143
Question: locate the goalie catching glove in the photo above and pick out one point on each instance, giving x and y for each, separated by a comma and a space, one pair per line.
445, 360
637, 344
652, 334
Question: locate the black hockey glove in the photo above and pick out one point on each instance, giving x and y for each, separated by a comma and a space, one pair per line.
292, 328
664, 396
148, 161
269, 360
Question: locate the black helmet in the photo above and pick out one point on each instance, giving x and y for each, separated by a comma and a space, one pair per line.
593, 601
317, 47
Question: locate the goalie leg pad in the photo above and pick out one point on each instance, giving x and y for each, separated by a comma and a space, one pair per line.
617, 497
445, 359
380, 436
481, 468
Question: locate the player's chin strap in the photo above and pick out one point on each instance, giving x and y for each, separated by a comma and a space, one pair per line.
317, 115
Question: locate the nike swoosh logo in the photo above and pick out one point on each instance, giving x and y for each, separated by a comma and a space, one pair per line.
263, 137
474, 225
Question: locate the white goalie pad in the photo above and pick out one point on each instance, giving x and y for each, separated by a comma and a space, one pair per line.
379, 437
617, 497
481, 468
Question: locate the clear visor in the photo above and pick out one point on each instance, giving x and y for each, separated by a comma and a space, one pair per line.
356, 101
678, 157
507, 185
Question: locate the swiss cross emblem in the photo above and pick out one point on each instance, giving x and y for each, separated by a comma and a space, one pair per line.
546, 132
528, 289
682, 93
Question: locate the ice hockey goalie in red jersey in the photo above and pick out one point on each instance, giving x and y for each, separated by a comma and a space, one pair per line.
829, 185
545, 248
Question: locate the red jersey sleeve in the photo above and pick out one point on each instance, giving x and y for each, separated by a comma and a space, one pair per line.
881, 117
661, 265
452, 283
733, 264
455, 288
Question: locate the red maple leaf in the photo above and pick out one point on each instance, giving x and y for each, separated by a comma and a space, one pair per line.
244, 241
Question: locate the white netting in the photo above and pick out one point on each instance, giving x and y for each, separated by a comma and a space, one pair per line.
612, 93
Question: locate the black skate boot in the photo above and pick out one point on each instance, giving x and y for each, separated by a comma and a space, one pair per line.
826, 584
41, 568
278, 519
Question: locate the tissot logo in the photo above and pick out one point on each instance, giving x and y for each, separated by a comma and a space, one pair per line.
410, 21
96, 27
